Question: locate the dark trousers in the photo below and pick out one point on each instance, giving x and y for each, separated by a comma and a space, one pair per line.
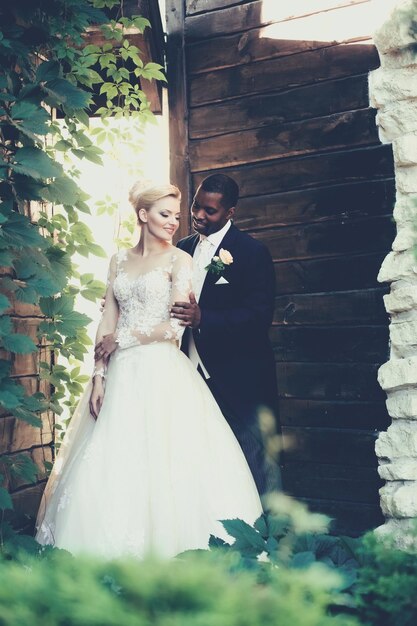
248, 435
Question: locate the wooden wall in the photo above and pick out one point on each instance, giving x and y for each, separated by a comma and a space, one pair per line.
277, 97
16, 436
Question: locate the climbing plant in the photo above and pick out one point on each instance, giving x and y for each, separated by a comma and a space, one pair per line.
48, 75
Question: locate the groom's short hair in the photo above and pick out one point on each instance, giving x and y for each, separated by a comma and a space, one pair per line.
220, 183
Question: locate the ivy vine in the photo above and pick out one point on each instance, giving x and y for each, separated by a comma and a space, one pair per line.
48, 74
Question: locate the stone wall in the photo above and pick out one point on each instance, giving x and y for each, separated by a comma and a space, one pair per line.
393, 91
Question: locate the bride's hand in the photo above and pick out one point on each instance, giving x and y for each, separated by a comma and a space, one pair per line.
97, 396
105, 347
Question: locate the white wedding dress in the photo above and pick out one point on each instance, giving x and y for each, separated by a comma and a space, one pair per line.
160, 466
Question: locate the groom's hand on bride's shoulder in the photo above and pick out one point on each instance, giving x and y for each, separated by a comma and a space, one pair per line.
189, 313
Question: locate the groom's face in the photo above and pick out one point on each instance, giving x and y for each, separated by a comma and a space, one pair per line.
207, 212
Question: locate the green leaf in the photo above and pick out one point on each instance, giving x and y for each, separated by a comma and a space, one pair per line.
22, 466
27, 416
140, 22
62, 92
5, 499
32, 117
48, 70
247, 537
62, 190
35, 163
8, 399
18, 343
4, 303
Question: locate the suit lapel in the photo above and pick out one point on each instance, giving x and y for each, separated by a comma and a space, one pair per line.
227, 243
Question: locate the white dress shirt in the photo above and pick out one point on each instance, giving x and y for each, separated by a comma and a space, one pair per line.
203, 254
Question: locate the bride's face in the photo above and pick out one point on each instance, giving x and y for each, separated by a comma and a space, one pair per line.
162, 219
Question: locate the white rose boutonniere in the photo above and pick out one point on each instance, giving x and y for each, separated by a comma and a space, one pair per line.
219, 263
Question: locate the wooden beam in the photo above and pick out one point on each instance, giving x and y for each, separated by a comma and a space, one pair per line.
283, 73
203, 6
348, 24
333, 482
332, 132
326, 309
331, 238
178, 108
346, 273
374, 163
338, 344
280, 107
357, 414
359, 199
330, 445
258, 13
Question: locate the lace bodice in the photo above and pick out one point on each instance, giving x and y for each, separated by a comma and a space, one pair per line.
145, 300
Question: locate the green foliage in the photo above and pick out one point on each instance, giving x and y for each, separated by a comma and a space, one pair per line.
45, 65
385, 592
290, 536
61, 590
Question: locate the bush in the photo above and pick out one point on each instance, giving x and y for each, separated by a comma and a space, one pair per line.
386, 588
205, 589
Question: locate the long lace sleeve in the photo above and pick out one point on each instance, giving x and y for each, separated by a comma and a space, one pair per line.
145, 331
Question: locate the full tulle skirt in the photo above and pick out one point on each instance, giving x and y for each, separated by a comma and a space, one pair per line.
157, 470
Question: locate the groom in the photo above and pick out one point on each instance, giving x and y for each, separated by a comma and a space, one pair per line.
229, 315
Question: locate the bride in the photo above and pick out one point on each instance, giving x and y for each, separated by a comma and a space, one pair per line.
148, 464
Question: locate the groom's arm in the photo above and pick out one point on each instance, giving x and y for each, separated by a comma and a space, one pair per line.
254, 309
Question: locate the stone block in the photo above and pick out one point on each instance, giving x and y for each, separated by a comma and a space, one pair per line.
399, 531
406, 237
398, 442
402, 299
397, 266
388, 86
398, 373
405, 147
399, 500
403, 337
406, 179
400, 469
397, 119
405, 209
394, 34
403, 404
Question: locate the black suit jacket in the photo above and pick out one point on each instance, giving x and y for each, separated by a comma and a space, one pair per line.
232, 339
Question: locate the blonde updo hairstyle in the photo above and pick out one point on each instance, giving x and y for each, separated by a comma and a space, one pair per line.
145, 198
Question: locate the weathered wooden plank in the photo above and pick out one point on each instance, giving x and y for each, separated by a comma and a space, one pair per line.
344, 307
257, 13
362, 199
333, 132
317, 170
26, 504
203, 6
336, 96
347, 24
329, 445
332, 482
283, 73
362, 415
349, 518
332, 238
350, 344
18, 435
336, 274
178, 118
329, 381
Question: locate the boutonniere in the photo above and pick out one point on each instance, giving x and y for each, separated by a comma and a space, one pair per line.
218, 264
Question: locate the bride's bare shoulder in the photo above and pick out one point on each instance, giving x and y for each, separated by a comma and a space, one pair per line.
181, 255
